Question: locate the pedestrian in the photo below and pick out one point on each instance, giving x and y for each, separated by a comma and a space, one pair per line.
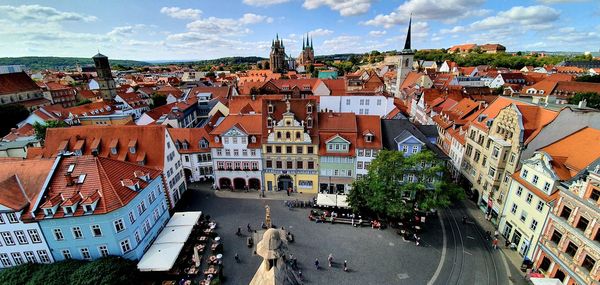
495, 243
239, 231
317, 263
237, 258
300, 274
249, 228
464, 219
417, 240
346, 265
288, 192
330, 259
496, 233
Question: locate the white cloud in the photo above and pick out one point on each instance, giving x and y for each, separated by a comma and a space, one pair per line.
320, 32
264, 3
250, 18
529, 18
349, 44
377, 33
447, 11
227, 26
41, 13
345, 7
178, 13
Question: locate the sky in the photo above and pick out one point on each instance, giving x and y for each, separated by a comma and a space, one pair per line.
206, 29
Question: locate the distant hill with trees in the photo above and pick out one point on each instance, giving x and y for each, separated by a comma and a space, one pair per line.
61, 63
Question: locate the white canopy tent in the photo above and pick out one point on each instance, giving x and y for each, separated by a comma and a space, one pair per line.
163, 253
545, 281
332, 200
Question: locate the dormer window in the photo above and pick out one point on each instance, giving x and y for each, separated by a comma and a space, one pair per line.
369, 138
113, 150
132, 149
68, 210
216, 139
203, 143
185, 145
253, 139
48, 212
87, 208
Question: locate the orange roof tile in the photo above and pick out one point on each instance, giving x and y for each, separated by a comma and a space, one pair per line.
192, 136
102, 175
21, 181
567, 154
151, 140
369, 124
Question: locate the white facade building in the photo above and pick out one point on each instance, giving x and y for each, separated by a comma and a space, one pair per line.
360, 105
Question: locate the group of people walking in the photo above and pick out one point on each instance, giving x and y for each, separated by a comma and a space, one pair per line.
330, 262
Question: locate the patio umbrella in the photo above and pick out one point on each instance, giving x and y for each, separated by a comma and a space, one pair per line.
196, 257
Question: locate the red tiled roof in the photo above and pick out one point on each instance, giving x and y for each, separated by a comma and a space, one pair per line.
574, 152
192, 136
298, 107
217, 92
151, 141
251, 124
102, 175
369, 124
534, 119
24, 131
11, 83
53, 86
337, 87
22, 180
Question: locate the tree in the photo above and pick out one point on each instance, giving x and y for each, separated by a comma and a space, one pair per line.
18, 274
83, 102
267, 65
57, 273
158, 100
592, 99
588, 78
396, 183
40, 129
10, 115
106, 271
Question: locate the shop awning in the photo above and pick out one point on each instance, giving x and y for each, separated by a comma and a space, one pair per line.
332, 200
163, 253
545, 281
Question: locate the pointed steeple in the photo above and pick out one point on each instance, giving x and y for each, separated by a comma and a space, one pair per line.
407, 43
311, 46
307, 44
277, 37
303, 45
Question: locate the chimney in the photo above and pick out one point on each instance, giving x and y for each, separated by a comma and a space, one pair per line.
582, 104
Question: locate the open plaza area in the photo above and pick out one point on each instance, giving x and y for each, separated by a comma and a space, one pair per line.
374, 256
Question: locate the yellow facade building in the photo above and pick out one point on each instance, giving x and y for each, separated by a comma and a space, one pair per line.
290, 145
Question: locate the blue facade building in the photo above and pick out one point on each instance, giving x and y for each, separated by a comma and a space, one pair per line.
95, 207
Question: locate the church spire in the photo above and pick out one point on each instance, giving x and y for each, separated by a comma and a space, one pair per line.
307, 44
407, 43
311, 46
303, 45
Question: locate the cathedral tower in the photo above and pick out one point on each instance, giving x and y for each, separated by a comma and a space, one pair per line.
277, 58
307, 55
108, 89
405, 62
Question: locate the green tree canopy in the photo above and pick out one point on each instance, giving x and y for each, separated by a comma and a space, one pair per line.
83, 102
396, 183
592, 98
106, 271
158, 100
40, 129
10, 115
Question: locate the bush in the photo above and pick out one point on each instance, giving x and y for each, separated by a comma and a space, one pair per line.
106, 271
58, 273
18, 274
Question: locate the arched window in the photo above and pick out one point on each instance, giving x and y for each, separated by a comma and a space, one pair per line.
288, 135
406, 62
278, 135
297, 135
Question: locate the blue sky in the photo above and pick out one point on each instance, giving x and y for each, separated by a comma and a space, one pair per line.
204, 29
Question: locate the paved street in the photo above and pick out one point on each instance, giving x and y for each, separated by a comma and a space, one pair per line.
374, 257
